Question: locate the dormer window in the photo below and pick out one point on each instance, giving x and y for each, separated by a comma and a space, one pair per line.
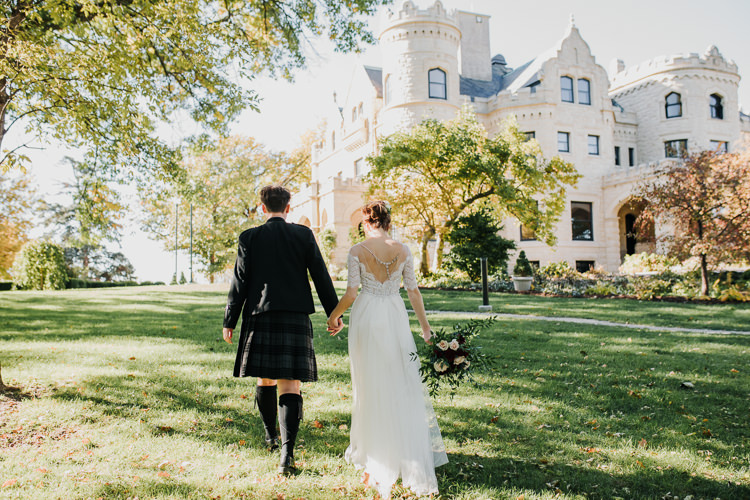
436, 77
717, 108
673, 105
584, 91
566, 89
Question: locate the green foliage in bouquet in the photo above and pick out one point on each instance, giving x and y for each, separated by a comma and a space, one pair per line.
453, 357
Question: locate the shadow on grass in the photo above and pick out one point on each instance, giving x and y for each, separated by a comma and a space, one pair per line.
565, 408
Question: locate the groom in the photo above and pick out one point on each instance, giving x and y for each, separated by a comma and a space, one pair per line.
270, 288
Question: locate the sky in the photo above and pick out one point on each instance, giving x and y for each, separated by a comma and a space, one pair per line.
632, 30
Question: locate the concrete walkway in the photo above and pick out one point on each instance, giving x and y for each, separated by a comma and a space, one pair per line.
562, 319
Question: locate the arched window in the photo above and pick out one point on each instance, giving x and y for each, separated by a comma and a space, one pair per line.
673, 105
566, 88
436, 77
584, 91
717, 108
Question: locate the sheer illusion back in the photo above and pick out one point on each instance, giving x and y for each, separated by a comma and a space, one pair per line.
380, 271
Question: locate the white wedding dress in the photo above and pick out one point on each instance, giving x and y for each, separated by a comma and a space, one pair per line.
394, 431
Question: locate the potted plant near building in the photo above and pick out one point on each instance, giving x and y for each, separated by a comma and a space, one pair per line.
522, 273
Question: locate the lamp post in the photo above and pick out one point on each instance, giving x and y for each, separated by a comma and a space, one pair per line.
176, 209
485, 307
191, 243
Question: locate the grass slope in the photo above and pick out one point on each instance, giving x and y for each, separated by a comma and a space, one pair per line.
128, 393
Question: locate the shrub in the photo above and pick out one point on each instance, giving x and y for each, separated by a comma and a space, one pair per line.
650, 287
6, 285
474, 236
601, 288
40, 265
327, 243
647, 263
447, 279
523, 266
558, 270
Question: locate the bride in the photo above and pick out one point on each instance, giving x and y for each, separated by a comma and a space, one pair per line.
394, 431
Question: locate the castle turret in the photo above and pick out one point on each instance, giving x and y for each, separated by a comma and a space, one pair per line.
420, 65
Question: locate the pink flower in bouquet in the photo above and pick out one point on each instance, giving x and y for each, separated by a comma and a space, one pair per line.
454, 344
459, 360
443, 345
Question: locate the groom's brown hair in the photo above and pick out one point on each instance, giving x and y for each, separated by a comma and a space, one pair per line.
275, 197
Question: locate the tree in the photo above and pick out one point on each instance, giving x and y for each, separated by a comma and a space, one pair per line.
474, 236
523, 266
17, 201
706, 198
101, 264
435, 172
40, 265
327, 244
93, 216
102, 74
222, 180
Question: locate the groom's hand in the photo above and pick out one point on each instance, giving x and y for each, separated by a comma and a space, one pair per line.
335, 325
228, 335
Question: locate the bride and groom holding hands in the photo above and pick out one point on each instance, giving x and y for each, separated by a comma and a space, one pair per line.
394, 432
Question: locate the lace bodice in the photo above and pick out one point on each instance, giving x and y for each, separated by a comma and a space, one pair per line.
395, 270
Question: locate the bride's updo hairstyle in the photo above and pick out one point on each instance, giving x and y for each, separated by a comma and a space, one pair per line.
377, 214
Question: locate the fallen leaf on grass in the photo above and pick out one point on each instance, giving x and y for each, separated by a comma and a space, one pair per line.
734, 371
242, 442
343, 427
163, 474
42, 470
317, 425
9, 483
493, 419
132, 358
642, 443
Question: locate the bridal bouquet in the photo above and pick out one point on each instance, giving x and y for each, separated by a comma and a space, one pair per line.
452, 357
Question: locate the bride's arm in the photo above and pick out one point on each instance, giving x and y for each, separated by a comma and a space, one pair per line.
346, 301
335, 324
415, 297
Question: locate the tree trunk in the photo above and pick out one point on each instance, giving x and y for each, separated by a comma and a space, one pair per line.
704, 275
439, 251
3, 106
2, 385
424, 266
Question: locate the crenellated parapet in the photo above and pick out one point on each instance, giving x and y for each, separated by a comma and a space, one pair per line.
710, 65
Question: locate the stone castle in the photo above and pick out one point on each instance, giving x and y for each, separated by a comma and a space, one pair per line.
613, 127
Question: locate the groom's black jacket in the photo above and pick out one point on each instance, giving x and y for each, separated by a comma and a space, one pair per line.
270, 273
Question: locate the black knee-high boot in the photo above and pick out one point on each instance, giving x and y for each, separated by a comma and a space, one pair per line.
265, 399
290, 415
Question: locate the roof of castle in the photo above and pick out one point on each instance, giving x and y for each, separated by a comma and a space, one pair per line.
376, 78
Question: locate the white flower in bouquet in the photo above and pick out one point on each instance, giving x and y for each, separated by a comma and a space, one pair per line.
440, 366
467, 364
459, 360
443, 345
454, 344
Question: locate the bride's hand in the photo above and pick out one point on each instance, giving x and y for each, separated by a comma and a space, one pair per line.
335, 325
427, 335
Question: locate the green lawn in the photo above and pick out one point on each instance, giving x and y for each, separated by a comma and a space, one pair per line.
734, 316
128, 393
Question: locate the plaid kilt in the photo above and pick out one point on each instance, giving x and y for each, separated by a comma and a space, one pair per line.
277, 345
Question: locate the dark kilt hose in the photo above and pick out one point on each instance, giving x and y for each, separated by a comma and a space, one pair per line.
277, 345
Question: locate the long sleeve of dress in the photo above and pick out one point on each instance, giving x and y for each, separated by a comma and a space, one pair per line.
354, 278
410, 280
